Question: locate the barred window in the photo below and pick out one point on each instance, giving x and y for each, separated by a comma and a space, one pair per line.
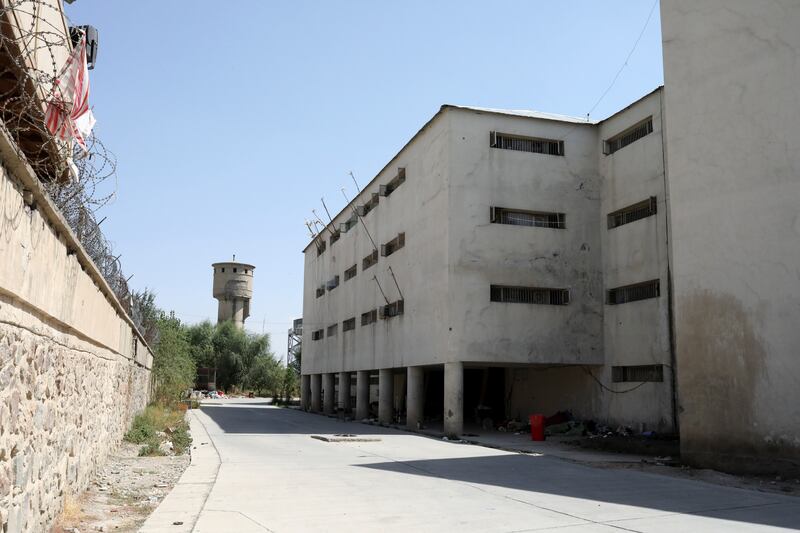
521, 143
516, 217
317, 335
392, 246
321, 247
529, 295
351, 272
348, 224
335, 236
637, 373
389, 188
332, 330
320, 291
370, 260
349, 324
369, 317
395, 308
632, 213
629, 136
635, 292
362, 210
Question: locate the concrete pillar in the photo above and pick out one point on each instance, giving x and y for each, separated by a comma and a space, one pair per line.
328, 400
415, 399
385, 396
344, 391
362, 395
316, 393
453, 399
305, 392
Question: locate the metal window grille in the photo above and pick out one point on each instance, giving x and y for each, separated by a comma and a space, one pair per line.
637, 373
351, 272
347, 225
632, 293
321, 246
629, 136
369, 206
349, 324
370, 260
389, 188
369, 317
332, 330
321, 291
501, 215
395, 308
529, 295
392, 246
335, 236
317, 335
520, 143
637, 211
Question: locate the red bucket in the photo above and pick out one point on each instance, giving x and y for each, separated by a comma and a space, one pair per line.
537, 427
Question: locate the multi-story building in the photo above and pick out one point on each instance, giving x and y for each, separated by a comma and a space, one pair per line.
503, 263
641, 270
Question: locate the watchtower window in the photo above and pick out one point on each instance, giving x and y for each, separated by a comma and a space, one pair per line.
234, 270
528, 295
520, 143
635, 292
222, 269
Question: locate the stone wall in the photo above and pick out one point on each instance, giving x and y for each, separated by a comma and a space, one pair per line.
73, 369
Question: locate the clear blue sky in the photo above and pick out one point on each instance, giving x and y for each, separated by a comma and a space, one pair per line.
231, 119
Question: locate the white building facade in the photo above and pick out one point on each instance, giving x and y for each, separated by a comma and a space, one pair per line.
503, 263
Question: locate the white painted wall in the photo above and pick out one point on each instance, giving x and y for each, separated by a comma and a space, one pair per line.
733, 159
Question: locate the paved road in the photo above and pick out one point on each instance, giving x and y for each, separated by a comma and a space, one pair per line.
272, 476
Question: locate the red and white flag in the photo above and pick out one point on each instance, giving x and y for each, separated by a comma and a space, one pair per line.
68, 115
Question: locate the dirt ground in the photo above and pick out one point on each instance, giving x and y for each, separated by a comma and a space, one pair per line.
123, 493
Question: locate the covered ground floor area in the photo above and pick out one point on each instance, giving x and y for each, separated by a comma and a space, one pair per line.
450, 396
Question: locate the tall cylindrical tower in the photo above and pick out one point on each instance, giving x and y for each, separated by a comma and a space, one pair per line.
233, 287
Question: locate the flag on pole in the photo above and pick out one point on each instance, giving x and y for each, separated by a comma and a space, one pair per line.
68, 115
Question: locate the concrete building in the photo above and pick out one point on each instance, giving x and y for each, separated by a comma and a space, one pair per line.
482, 274
733, 158
640, 271
233, 288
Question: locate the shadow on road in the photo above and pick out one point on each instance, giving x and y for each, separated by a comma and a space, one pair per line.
631, 488
256, 417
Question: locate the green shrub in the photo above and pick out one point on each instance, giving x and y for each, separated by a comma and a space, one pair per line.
141, 430
151, 447
181, 440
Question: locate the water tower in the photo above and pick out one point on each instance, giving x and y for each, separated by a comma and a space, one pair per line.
233, 287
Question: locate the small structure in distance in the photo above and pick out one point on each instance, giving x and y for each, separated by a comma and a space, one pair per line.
233, 287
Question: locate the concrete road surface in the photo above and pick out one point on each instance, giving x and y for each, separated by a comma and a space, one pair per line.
260, 470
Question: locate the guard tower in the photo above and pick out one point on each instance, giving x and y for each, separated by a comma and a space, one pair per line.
233, 287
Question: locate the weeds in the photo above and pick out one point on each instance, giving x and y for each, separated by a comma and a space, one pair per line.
158, 423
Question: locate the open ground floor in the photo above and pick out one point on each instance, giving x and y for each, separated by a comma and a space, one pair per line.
458, 397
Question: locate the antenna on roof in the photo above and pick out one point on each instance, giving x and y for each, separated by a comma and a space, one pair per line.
362, 221
324, 226
326, 210
395, 283
375, 278
354, 181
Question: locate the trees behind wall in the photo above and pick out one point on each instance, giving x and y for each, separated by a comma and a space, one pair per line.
243, 360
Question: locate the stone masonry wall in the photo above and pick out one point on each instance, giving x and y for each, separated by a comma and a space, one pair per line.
73, 369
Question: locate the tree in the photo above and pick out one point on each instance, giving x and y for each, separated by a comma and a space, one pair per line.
145, 314
266, 375
173, 367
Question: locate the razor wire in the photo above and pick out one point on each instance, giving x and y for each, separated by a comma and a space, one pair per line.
33, 36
